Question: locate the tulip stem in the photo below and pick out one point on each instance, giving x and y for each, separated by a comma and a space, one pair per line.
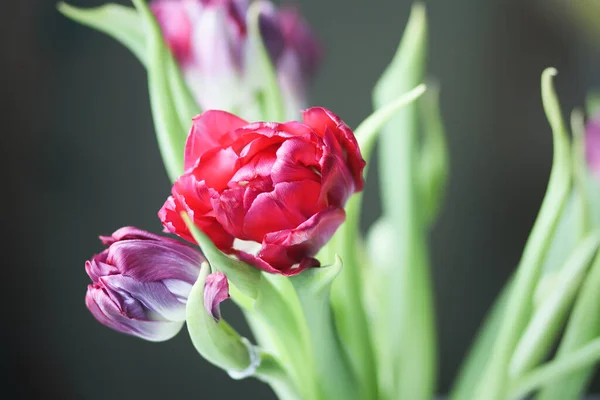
333, 373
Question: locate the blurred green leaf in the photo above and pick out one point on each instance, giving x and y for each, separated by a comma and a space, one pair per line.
553, 371
407, 358
347, 290
434, 165
494, 382
546, 323
169, 130
583, 326
120, 22
584, 322
261, 71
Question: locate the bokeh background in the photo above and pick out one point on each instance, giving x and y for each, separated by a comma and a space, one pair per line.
78, 158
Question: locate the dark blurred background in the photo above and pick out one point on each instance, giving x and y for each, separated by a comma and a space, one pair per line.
79, 159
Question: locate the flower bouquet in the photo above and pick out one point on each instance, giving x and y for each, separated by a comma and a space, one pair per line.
266, 202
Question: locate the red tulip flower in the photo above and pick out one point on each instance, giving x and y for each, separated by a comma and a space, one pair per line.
270, 193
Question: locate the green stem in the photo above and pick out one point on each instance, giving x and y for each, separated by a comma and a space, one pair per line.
333, 373
279, 308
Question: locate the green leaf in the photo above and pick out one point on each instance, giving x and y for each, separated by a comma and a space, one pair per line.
407, 361
433, 162
173, 105
222, 346
218, 342
333, 371
520, 303
261, 71
244, 277
547, 321
584, 322
120, 22
368, 130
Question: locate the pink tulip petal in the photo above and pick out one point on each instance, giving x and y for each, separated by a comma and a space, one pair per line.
297, 160
193, 198
216, 168
290, 252
207, 130
321, 119
337, 181
173, 18
286, 207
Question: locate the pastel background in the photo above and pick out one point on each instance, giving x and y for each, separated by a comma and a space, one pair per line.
78, 158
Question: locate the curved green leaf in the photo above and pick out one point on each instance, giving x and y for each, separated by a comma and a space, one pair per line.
120, 22
494, 383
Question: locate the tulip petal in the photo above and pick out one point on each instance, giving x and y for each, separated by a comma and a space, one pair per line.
321, 119
216, 167
138, 258
154, 297
296, 161
175, 25
206, 132
286, 207
300, 40
194, 198
338, 183
129, 232
281, 251
216, 290
107, 312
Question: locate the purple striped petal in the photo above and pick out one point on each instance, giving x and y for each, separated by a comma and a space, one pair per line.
216, 290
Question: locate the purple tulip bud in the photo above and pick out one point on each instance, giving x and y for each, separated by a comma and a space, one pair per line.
141, 283
592, 144
216, 290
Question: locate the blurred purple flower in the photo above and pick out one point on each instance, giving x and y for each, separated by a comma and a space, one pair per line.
141, 283
209, 39
592, 144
